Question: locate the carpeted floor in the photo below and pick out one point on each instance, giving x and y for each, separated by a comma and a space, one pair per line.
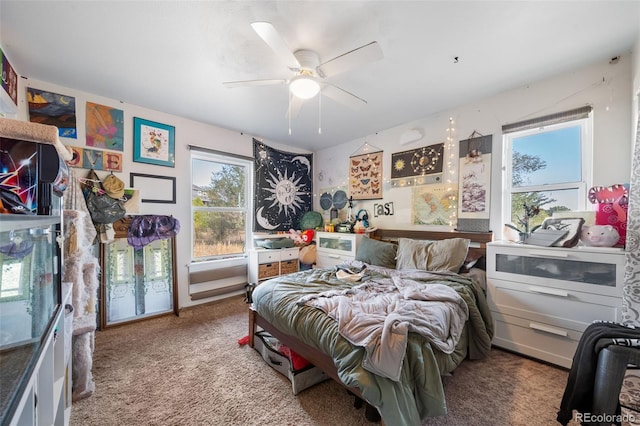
190, 370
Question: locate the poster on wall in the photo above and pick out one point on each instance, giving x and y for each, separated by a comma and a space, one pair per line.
417, 166
105, 127
53, 109
9, 78
475, 184
434, 205
283, 188
365, 176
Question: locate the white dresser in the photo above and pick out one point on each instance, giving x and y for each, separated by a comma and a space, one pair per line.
269, 263
542, 298
333, 248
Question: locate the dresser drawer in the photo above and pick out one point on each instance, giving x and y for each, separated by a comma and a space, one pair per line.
337, 243
268, 256
578, 269
289, 254
560, 307
267, 270
539, 340
288, 266
327, 260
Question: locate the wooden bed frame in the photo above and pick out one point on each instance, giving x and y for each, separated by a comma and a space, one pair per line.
319, 358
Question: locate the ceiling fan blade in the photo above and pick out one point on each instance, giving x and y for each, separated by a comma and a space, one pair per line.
342, 96
295, 105
248, 83
355, 58
268, 33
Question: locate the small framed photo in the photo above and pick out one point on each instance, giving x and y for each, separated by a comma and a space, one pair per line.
153, 143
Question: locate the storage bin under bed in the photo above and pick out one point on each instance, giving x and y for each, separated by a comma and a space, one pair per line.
272, 352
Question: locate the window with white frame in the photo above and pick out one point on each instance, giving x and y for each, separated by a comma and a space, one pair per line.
546, 166
220, 199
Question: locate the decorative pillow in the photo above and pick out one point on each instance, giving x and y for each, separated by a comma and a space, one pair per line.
378, 253
442, 255
447, 255
412, 254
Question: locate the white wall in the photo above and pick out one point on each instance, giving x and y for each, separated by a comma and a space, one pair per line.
187, 132
607, 87
601, 85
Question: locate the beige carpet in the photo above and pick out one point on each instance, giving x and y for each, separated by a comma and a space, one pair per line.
190, 370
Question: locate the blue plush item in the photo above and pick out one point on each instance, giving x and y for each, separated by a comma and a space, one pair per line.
275, 243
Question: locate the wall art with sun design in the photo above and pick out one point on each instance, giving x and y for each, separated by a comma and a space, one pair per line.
283, 188
417, 163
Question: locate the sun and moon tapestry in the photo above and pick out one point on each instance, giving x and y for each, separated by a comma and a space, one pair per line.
283, 188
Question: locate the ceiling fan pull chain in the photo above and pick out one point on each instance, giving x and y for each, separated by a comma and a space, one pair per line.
320, 112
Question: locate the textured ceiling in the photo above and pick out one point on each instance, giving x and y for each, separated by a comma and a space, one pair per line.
174, 56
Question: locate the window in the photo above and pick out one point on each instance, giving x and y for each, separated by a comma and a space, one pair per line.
547, 165
220, 197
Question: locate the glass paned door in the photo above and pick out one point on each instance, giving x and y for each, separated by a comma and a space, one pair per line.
137, 282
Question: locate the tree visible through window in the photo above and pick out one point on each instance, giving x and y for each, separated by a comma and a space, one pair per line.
220, 193
547, 168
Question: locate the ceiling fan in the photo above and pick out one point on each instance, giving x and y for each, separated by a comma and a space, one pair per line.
310, 74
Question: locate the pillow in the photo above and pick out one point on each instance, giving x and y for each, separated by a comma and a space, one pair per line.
447, 255
378, 253
442, 255
412, 254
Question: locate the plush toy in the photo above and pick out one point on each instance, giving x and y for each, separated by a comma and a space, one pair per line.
301, 237
599, 236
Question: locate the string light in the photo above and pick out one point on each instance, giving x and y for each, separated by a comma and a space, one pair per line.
452, 178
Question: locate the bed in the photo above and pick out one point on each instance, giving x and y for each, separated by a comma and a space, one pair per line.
390, 336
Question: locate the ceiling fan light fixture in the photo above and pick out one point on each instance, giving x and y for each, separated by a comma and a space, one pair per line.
304, 87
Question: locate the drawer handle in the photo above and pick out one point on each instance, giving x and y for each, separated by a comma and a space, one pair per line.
548, 253
548, 329
333, 256
274, 361
551, 291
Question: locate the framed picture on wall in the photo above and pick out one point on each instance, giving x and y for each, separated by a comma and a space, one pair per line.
153, 143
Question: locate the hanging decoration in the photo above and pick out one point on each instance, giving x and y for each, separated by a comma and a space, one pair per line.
283, 188
475, 183
417, 166
365, 173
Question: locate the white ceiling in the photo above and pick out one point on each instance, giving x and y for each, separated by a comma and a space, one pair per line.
174, 56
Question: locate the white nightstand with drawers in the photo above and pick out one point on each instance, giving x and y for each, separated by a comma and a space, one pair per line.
542, 298
269, 263
333, 248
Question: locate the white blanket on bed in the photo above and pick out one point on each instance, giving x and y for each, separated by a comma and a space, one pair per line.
378, 315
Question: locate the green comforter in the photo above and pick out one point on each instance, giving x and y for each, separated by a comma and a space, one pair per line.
419, 393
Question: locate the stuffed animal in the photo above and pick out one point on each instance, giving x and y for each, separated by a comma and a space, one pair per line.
599, 236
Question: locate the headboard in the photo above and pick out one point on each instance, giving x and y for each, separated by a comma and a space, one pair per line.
479, 240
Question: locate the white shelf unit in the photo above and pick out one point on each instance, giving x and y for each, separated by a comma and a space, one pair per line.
270, 263
543, 298
333, 248
46, 399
